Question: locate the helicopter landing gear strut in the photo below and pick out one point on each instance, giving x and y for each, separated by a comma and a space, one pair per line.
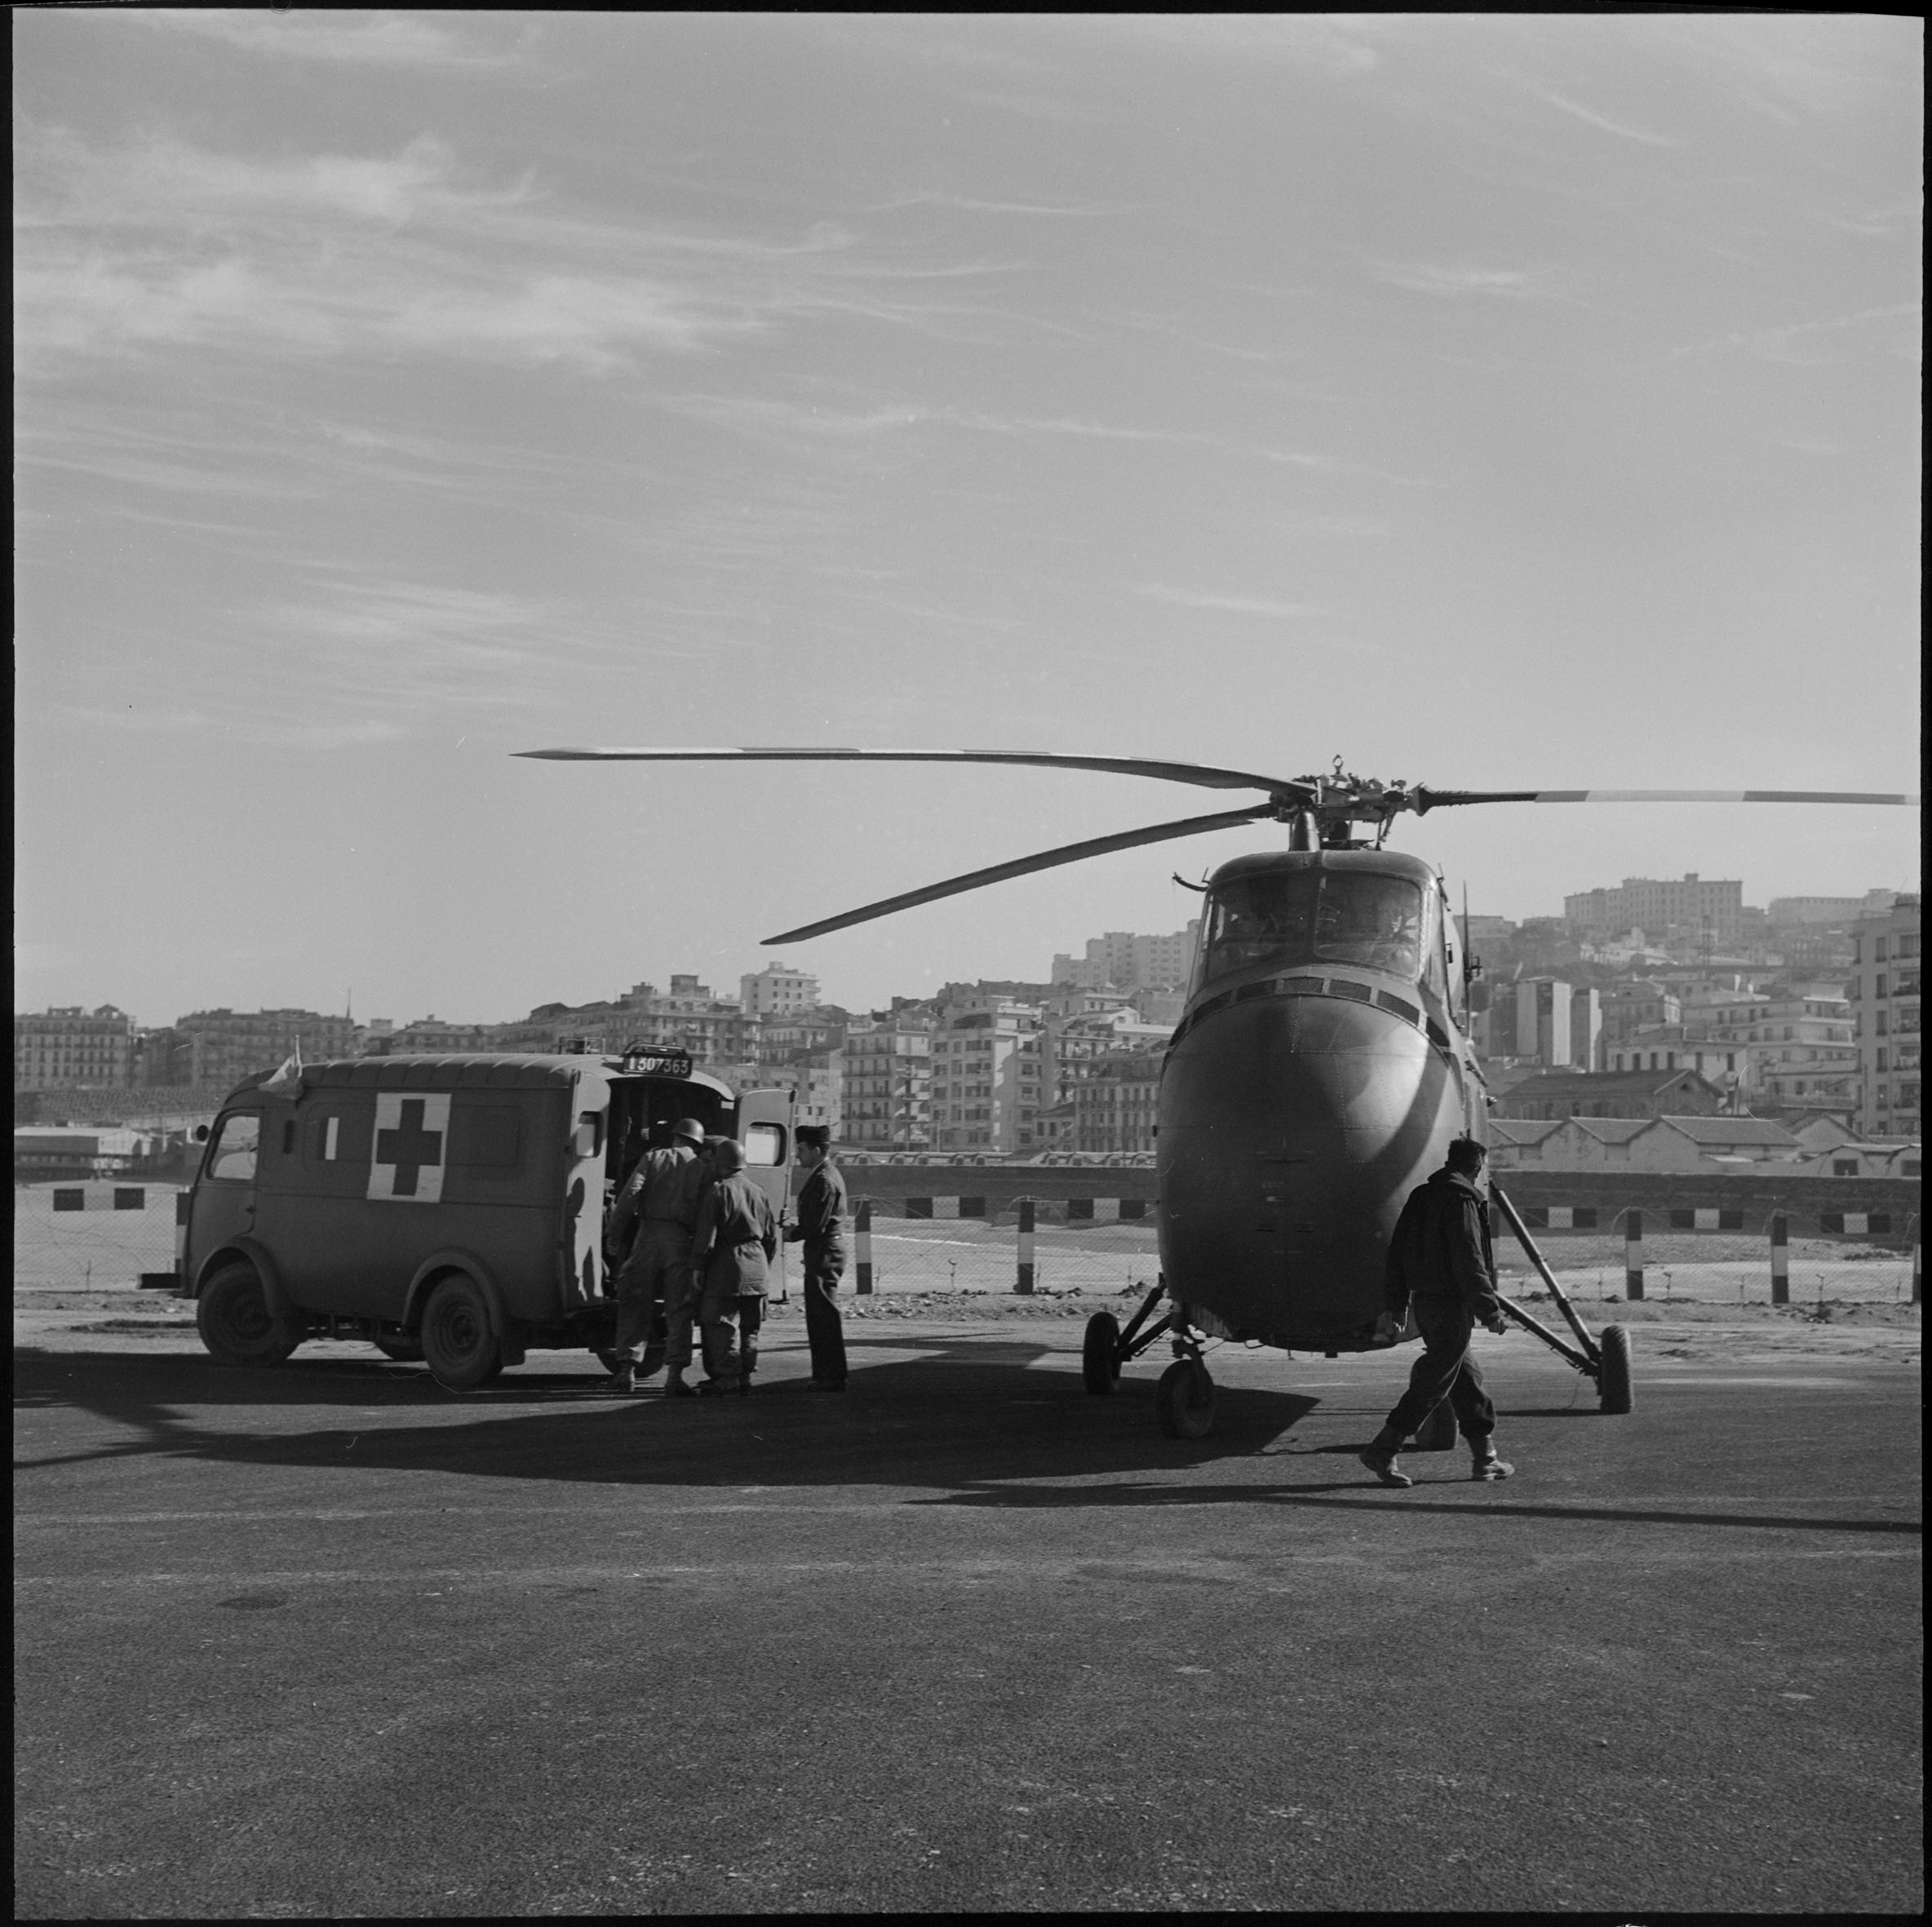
1608, 1365
1107, 1348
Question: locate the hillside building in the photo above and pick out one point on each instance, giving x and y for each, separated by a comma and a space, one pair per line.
88, 1049
1884, 1002
1128, 962
988, 1086
888, 1101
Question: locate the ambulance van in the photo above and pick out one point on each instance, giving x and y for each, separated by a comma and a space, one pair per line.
446, 1209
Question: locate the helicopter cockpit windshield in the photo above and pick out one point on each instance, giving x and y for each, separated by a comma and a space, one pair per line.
1311, 916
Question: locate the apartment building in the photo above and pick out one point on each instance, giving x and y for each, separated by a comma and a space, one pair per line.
91, 1049
1885, 1004
1116, 1104
224, 1046
887, 1097
1697, 907
988, 1084
1129, 962
775, 991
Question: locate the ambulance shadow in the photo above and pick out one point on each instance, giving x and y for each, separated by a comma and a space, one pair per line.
941, 1413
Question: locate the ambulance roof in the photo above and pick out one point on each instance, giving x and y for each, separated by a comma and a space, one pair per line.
496, 1071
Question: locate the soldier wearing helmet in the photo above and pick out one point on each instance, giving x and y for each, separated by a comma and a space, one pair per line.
661, 1198
736, 1239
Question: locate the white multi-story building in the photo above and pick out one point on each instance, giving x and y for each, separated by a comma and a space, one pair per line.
776, 991
224, 1046
888, 1081
1697, 907
1885, 1003
988, 1083
1116, 1105
1129, 962
94, 1049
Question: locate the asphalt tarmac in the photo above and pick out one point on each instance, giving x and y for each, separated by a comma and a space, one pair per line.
325, 1641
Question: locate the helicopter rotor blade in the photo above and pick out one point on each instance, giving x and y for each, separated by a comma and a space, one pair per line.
1203, 774
1071, 853
1428, 800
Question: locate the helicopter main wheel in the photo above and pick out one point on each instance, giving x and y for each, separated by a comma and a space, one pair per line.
1614, 1394
1100, 1353
1437, 1433
1184, 1400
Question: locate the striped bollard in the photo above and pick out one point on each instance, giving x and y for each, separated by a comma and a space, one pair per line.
1633, 1255
1023, 1283
862, 1239
1780, 1260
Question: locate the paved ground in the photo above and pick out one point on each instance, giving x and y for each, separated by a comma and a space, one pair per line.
325, 1640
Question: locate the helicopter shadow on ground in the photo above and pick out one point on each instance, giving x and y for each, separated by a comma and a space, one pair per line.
938, 1414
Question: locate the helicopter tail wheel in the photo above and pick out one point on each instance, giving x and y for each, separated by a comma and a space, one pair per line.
1100, 1355
1184, 1401
1614, 1393
1437, 1433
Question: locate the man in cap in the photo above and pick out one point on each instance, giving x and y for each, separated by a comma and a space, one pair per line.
1440, 1259
661, 1198
736, 1238
820, 1224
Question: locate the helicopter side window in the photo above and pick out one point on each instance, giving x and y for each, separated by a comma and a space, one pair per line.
1373, 921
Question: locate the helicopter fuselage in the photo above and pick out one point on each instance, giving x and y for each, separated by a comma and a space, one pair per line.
1319, 1070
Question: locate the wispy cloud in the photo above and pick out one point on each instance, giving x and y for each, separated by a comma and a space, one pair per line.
1624, 130
141, 248
1802, 341
1426, 278
1240, 605
355, 39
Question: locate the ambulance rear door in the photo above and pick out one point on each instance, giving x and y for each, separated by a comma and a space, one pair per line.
764, 1130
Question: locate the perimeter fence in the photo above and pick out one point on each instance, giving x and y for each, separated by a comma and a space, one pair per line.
105, 1235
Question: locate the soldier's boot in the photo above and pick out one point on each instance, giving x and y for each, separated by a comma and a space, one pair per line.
1378, 1456
623, 1380
675, 1386
1484, 1462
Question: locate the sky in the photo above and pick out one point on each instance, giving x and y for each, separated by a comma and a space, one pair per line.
1491, 402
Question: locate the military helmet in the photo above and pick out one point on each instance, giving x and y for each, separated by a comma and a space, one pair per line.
690, 1130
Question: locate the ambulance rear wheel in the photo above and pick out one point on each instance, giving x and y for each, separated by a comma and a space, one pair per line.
1184, 1400
404, 1351
461, 1349
1613, 1391
236, 1323
1099, 1354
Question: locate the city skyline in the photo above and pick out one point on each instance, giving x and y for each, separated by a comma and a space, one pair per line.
398, 392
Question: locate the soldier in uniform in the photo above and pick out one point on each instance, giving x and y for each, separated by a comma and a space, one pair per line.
736, 1238
1440, 1258
661, 1198
820, 1224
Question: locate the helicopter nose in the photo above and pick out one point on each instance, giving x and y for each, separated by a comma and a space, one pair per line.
1291, 1128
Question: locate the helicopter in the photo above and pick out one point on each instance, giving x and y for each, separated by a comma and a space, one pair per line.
1321, 1063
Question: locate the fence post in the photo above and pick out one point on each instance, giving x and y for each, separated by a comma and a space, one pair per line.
1633, 1254
1780, 1260
862, 1240
1023, 1283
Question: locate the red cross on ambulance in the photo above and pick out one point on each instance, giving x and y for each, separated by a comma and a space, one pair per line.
410, 1134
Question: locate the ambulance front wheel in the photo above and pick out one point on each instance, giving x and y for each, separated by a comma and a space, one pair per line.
457, 1344
236, 1324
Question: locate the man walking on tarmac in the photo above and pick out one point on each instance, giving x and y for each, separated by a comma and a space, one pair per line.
1440, 1258
820, 1214
662, 1192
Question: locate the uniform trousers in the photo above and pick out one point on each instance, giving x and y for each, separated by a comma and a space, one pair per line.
824, 1330
1446, 1370
733, 1292
657, 1272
